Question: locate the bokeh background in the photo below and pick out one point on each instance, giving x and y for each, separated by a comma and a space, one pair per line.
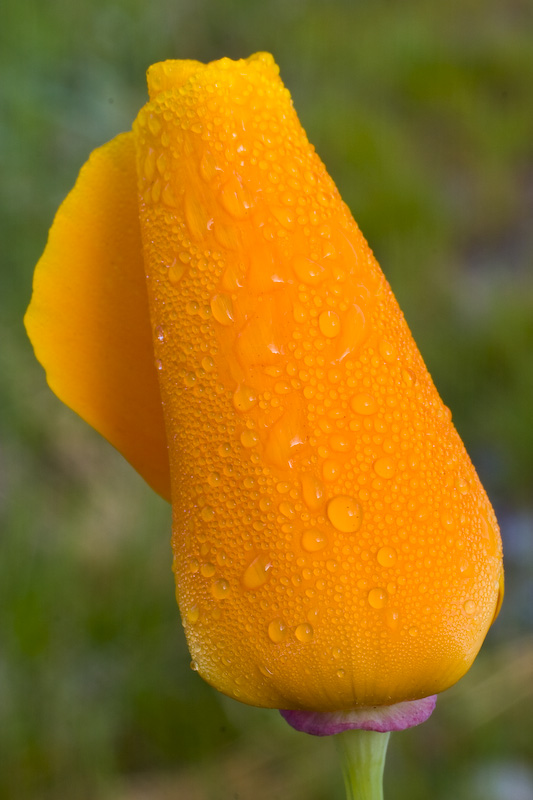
423, 113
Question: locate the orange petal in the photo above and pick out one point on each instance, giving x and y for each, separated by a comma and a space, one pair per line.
88, 319
170, 75
310, 449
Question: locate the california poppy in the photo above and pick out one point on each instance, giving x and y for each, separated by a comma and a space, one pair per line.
207, 302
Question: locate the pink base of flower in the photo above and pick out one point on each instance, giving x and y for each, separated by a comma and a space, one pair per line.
368, 718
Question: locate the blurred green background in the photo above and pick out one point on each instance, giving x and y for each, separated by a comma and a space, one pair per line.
423, 113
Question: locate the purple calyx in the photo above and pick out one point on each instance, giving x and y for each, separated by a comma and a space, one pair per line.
397, 717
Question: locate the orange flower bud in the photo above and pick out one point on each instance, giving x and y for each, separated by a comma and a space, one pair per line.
333, 546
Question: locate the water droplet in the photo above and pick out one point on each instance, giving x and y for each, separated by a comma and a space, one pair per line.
154, 124
363, 404
386, 556
330, 471
289, 198
470, 607
308, 271
222, 308
208, 569
224, 450
461, 485
387, 351
340, 673
162, 164
284, 439
345, 514
149, 165
447, 520
312, 491
233, 198
336, 653
244, 398
353, 332
194, 565
256, 573
214, 478
193, 615
489, 530
176, 272
156, 191
158, 364
304, 632
377, 598
273, 371
463, 564
168, 197
329, 324
277, 630
299, 313
208, 167
265, 504
385, 467
287, 509
220, 589
408, 377
207, 514
313, 540
340, 443
413, 631
249, 438
208, 364
285, 216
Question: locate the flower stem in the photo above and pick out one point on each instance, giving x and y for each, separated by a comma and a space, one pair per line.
363, 759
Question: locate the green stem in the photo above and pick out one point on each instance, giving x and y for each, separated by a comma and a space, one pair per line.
363, 759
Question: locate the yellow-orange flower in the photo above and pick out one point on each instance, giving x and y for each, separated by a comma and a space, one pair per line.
333, 544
